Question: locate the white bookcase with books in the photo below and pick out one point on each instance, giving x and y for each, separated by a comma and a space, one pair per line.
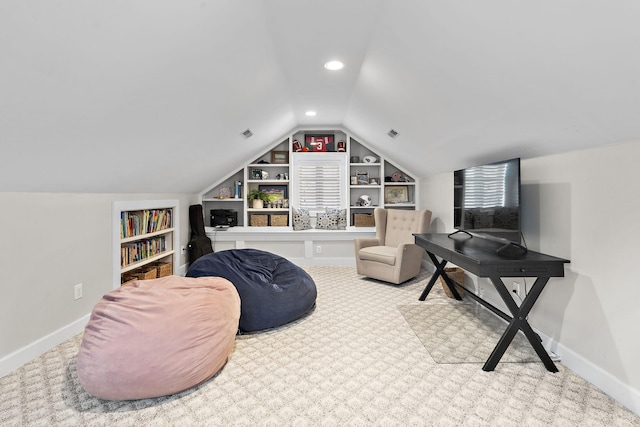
145, 239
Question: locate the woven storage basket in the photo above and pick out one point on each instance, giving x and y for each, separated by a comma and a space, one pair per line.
279, 220
259, 220
164, 269
127, 279
146, 273
457, 275
363, 220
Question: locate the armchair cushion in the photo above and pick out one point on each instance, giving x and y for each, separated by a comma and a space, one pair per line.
383, 254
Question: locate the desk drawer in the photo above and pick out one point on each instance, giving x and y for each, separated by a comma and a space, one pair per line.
529, 271
536, 271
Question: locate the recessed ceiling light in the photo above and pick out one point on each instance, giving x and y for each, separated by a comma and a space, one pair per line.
334, 65
310, 113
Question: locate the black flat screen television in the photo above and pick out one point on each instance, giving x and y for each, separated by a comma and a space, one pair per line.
487, 201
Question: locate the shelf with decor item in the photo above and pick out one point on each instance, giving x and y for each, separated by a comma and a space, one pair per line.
399, 187
267, 179
226, 195
145, 238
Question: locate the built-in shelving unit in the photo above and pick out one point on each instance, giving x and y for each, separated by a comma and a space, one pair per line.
373, 181
145, 238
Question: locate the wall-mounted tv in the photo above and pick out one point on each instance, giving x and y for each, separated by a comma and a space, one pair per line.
487, 201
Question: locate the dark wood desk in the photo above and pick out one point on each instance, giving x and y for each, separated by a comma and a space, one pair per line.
478, 256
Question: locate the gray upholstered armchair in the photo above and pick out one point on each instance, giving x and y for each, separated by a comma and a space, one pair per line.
393, 255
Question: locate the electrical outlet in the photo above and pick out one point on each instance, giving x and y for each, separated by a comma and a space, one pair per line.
516, 288
318, 249
77, 291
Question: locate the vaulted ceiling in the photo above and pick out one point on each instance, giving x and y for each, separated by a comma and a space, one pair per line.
153, 95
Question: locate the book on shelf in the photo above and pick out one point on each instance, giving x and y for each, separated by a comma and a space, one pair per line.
135, 223
138, 251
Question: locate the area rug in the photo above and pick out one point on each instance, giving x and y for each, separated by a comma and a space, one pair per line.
463, 333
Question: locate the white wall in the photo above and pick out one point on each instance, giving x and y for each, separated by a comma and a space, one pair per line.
51, 242
583, 206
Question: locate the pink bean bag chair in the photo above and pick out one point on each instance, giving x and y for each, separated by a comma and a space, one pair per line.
158, 337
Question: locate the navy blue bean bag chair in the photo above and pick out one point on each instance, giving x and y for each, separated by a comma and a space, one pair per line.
273, 290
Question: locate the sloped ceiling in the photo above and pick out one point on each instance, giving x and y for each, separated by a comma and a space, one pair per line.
153, 95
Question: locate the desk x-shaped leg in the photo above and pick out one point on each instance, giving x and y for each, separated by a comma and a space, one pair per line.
519, 322
516, 323
439, 273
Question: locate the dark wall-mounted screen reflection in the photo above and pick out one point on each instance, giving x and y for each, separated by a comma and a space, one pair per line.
487, 200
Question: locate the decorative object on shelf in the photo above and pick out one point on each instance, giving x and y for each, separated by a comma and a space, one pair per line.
342, 147
224, 193
319, 142
280, 157
238, 187
256, 173
354, 179
398, 177
297, 147
373, 181
258, 198
364, 200
282, 176
354, 159
370, 159
396, 194
362, 176
274, 193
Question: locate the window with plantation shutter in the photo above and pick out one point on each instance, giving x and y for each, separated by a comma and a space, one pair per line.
319, 181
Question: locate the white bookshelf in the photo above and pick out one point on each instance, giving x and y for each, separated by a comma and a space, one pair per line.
170, 235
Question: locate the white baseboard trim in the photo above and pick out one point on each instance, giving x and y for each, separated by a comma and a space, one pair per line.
13, 361
182, 270
323, 262
623, 393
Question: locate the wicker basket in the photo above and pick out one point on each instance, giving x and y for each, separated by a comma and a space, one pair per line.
164, 269
279, 220
259, 220
127, 279
364, 220
146, 273
457, 275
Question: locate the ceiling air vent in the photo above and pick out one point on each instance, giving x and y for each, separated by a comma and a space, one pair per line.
392, 133
247, 133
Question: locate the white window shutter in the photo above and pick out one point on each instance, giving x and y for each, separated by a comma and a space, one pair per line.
319, 181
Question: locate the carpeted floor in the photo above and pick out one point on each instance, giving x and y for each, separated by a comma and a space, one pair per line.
456, 332
354, 361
